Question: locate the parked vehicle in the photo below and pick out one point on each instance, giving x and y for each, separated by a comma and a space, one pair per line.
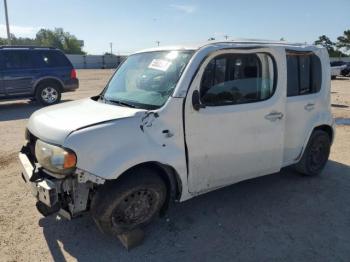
174, 123
337, 68
346, 70
35, 72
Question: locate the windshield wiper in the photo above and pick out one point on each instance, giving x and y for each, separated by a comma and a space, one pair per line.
118, 102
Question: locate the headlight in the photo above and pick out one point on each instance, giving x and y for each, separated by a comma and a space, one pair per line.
55, 159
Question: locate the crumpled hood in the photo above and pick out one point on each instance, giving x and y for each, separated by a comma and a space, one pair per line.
54, 123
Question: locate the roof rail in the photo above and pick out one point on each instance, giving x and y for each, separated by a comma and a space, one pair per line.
26, 46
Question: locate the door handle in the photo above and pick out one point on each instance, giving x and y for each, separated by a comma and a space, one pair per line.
167, 133
309, 106
273, 116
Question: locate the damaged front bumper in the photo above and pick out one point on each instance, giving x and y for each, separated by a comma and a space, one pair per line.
69, 195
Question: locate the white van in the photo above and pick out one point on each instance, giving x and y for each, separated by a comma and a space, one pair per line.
176, 122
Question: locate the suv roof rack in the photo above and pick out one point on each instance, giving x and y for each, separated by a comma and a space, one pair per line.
26, 46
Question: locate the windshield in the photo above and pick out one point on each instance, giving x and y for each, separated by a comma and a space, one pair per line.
146, 80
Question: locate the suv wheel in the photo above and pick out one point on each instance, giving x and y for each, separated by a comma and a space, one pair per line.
316, 154
129, 202
48, 93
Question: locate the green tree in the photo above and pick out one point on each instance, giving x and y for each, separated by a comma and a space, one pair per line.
344, 41
60, 39
331, 47
324, 41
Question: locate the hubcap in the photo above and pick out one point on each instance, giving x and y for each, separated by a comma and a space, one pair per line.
135, 208
49, 95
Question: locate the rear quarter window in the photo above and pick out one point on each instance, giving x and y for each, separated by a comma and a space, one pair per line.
304, 73
45, 59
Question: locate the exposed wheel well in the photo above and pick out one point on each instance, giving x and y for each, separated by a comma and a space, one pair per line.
168, 175
326, 128
49, 81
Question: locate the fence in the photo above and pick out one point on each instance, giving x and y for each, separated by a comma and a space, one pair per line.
95, 61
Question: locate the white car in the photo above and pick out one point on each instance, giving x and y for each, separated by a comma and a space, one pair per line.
177, 122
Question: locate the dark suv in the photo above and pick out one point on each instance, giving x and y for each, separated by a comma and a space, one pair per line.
40, 73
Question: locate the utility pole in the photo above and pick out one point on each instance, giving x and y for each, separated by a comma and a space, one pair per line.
7, 24
111, 46
158, 42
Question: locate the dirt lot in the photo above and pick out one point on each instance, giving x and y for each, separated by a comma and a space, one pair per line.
278, 217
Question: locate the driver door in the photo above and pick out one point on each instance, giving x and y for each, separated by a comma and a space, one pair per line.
237, 133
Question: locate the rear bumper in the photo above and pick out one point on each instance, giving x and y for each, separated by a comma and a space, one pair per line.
71, 85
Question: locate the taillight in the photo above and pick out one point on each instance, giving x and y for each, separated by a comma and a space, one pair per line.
73, 74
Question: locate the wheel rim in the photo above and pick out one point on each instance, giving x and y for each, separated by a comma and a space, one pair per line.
49, 95
319, 155
136, 208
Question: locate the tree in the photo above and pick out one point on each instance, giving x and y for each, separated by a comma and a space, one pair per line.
344, 40
331, 47
324, 41
58, 38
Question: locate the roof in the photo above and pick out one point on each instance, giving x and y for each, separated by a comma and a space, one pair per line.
25, 47
235, 42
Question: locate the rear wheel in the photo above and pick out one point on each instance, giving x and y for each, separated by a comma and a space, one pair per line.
48, 93
129, 202
316, 154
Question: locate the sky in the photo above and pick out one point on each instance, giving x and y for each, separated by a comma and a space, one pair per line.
133, 25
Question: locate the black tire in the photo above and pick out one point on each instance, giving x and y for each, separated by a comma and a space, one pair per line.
48, 93
129, 202
315, 155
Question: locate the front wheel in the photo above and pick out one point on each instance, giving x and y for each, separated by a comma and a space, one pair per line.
129, 202
315, 155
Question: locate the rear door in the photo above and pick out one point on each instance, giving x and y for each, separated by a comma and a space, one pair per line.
18, 74
304, 81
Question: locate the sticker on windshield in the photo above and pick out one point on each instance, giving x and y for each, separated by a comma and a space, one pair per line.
159, 64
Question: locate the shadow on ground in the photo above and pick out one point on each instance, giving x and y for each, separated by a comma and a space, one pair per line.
279, 217
19, 109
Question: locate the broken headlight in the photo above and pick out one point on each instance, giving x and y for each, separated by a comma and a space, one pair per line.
54, 158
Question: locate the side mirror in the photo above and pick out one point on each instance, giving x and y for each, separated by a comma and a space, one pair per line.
196, 101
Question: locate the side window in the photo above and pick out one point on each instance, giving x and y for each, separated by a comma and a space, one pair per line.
237, 79
304, 73
50, 59
292, 75
17, 60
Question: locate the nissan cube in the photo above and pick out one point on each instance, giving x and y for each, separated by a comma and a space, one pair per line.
176, 122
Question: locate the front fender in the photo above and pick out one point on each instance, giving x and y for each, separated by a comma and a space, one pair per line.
107, 150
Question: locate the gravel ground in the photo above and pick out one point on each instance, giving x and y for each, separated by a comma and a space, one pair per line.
280, 217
